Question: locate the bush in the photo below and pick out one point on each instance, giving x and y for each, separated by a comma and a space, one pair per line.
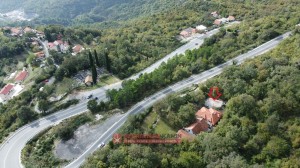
65, 133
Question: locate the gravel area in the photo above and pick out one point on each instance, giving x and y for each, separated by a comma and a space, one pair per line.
214, 103
84, 137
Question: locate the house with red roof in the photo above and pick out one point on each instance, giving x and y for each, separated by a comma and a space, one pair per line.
231, 18
28, 30
21, 76
77, 49
6, 92
16, 31
52, 46
182, 134
59, 46
215, 14
206, 118
211, 115
200, 126
188, 32
218, 22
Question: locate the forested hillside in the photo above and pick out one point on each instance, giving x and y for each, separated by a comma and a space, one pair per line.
260, 126
83, 12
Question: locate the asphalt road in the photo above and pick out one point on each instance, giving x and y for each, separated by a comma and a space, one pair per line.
196, 42
46, 52
10, 150
195, 79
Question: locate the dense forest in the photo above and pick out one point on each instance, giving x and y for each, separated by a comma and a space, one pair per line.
135, 44
219, 48
260, 126
69, 12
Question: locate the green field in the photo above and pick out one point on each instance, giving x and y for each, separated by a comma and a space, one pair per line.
160, 128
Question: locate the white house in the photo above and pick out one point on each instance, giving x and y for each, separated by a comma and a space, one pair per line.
201, 28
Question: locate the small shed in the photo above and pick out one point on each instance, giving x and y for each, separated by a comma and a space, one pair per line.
88, 80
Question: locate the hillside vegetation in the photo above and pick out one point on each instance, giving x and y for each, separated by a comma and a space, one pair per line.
260, 126
78, 11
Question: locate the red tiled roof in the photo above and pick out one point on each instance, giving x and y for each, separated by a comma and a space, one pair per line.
77, 48
28, 29
199, 126
211, 115
59, 42
15, 30
188, 30
185, 135
50, 45
217, 22
39, 54
6, 89
231, 18
21, 76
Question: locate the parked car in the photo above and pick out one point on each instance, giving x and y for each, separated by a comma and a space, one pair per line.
90, 96
101, 145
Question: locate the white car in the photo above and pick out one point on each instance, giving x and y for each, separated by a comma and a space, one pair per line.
101, 145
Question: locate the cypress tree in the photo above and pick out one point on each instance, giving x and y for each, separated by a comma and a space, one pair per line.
107, 61
96, 58
93, 68
94, 74
91, 59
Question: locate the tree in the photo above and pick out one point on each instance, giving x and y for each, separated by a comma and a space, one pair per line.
65, 132
186, 115
107, 62
91, 59
59, 74
93, 68
117, 158
25, 114
233, 160
92, 106
216, 147
94, 74
276, 148
243, 105
190, 160
43, 105
96, 58
165, 163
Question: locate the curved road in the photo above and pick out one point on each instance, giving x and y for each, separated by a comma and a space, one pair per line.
10, 150
194, 79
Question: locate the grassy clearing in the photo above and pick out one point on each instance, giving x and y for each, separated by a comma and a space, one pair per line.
160, 128
33, 73
65, 86
163, 128
109, 79
104, 80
